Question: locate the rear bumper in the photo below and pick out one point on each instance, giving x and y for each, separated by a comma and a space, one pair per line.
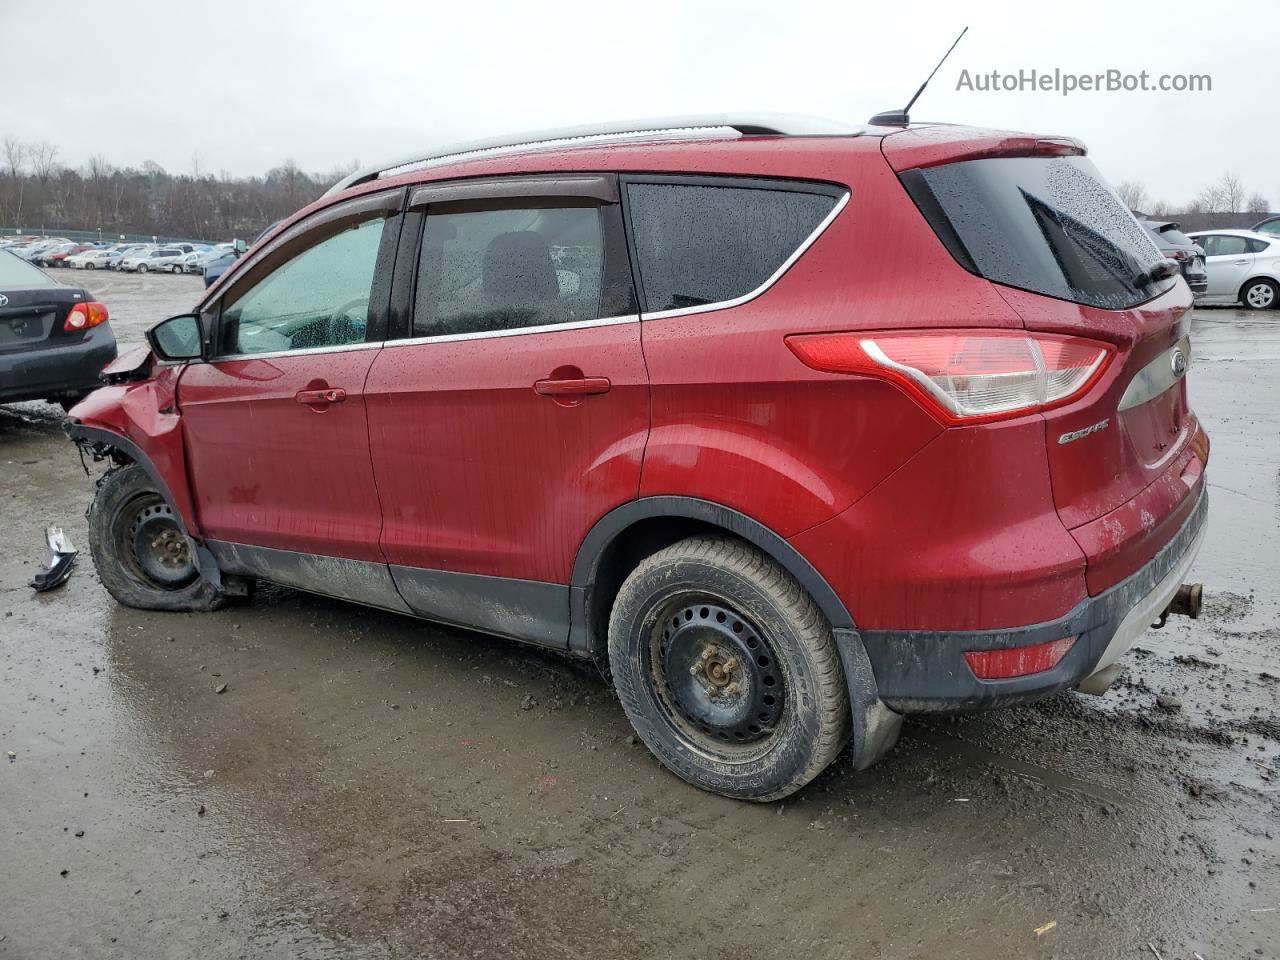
57, 371
922, 671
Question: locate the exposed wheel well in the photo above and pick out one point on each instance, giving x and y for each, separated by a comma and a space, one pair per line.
623, 554
624, 537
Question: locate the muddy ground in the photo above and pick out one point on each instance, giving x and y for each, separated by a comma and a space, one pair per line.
372, 786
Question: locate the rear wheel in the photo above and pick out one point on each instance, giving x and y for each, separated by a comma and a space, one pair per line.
728, 670
142, 268
1260, 294
143, 556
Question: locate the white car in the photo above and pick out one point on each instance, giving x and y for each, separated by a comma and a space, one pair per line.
1243, 267
164, 259
132, 261
90, 260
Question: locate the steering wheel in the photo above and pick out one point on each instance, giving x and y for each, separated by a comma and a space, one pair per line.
341, 327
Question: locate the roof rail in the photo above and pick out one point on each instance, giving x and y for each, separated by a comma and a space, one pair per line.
745, 124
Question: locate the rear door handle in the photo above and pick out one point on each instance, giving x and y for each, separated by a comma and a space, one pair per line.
577, 387
1240, 263
323, 397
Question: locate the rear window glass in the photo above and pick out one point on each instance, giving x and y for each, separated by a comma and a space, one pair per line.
17, 274
1048, 225
706, 244
1170, 237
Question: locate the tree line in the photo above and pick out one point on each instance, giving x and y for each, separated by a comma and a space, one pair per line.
38, 191
1220, 204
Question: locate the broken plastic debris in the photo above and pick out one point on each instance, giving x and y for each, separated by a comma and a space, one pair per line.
1041, 931
60, 564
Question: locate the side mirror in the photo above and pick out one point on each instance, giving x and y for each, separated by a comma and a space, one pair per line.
178, 338
239, 246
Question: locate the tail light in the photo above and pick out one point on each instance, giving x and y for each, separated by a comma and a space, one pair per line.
85, 315
965, 376
1017, 661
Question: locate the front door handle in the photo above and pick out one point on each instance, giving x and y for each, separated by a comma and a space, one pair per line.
320, 398
576, 387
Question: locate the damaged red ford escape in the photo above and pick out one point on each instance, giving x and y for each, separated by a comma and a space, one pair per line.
792, 428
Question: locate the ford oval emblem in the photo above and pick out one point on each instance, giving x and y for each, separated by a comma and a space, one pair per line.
3, 299
1179, 362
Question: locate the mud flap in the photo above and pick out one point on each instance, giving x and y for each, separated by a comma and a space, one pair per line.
875, 726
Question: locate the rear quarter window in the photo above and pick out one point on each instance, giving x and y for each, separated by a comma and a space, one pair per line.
707, 243
1045, 224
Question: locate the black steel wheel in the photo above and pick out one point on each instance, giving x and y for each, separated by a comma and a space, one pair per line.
143, 555
727, 669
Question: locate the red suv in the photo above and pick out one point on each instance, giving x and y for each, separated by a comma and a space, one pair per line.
792, 429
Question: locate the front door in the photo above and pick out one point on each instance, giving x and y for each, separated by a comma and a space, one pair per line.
515, 412
275, 424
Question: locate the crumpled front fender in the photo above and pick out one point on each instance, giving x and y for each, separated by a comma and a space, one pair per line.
140, 422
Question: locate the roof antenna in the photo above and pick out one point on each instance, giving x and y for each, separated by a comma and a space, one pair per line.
900, 118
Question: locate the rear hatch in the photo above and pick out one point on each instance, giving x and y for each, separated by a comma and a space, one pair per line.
1033, 216
33, 308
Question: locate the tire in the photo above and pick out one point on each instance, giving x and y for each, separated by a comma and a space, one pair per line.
90, 266
142, 268
728, 670
1260, 294
127, 519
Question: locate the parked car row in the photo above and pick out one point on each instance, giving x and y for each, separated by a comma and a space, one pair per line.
183, 257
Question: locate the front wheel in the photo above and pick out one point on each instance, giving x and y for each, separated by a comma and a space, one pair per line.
728, 670
144, 557
1260, 295
142, 268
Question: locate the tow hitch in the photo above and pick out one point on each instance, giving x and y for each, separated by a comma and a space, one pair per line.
1185, 603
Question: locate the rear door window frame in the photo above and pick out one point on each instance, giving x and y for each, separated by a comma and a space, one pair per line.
619, 302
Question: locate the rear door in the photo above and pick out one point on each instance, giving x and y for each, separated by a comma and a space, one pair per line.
275, 424
1228, 262
513, 411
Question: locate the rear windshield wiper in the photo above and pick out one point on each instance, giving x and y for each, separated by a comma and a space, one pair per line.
1160, 270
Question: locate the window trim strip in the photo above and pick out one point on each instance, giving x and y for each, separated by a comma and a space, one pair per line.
517, 332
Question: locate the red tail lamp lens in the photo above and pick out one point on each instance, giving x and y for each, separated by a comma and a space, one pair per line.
85, 315
1017, 661
965, 376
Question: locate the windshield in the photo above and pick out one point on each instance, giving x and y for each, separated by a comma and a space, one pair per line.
17, 274
1045, 224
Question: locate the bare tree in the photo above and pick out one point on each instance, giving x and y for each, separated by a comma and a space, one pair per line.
1160, 209
15, 155
1257, 203
1132, 194
1231, 191
44, 160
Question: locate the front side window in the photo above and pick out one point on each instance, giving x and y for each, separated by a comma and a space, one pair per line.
319, 298
708, 244
484, 269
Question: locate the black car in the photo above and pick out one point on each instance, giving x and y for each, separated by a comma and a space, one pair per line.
1176, 245
54, 338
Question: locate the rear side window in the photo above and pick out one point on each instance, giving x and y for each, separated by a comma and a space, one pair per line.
486, 270
1045, 224
700, 244
1257, 246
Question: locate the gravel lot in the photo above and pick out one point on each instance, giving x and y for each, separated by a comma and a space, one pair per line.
372, 786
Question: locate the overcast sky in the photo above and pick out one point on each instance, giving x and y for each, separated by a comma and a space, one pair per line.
242, 86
